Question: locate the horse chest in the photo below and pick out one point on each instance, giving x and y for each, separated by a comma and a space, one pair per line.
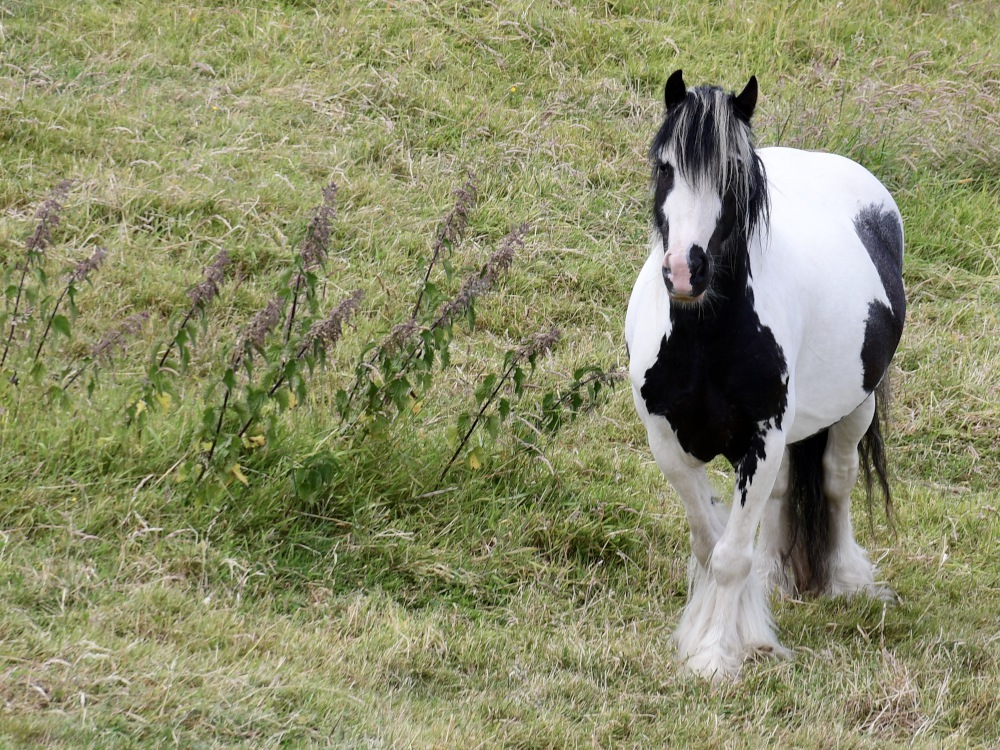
718, 386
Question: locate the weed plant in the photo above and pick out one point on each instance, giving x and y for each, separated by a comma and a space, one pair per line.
265, 373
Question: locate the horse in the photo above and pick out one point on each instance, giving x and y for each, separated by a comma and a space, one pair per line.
760, 329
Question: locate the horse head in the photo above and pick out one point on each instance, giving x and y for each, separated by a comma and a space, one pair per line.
709, 187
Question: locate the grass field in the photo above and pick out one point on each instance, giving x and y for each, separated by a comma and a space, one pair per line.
323, 585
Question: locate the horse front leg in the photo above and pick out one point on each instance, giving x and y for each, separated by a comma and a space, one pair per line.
774, 539
728, 614
706, 516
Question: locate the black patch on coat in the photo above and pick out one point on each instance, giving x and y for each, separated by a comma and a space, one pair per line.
663, 183
721, 381
755, 453
882, 333
881, 232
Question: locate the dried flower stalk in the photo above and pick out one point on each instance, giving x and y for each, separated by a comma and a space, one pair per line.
538, 344
451, 231
116, 339
256, 331
46, 217
315, 247
480, 283
327, 331
202, 293
77, 275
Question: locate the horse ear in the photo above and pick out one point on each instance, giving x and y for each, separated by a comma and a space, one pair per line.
746, 101
675, 90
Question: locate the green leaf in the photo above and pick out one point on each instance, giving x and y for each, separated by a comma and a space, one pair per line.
519, 378
486, 388
58, 396
71, 300
425, 380
475, 458
431, 292
61, 324
341, 400
281, 398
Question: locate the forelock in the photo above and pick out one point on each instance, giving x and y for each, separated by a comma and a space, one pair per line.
712, 147
706, 138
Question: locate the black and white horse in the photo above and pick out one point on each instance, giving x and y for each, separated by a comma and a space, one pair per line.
760, 329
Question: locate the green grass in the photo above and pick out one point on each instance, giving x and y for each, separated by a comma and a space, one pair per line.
527, 604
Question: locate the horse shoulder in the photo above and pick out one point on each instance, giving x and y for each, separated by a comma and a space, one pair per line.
647, 319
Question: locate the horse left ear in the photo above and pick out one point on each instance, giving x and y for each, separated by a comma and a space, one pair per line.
746, 101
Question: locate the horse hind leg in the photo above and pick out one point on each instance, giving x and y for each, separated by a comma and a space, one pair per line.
848, 568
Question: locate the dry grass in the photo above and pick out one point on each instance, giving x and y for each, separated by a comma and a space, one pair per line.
528, 604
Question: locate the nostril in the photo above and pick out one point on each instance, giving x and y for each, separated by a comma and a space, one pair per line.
699, 265
666, 278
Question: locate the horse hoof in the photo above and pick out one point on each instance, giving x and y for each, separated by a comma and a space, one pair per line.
714, 668
882, 593
771, 651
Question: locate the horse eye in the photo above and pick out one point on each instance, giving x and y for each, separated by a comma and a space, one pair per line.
665, 177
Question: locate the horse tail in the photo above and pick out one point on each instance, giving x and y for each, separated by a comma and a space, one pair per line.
808, 513
871, 451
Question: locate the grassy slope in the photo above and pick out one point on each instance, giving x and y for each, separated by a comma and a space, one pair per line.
531, 605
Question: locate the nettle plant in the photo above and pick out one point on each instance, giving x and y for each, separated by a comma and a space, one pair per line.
268, 369
40, 307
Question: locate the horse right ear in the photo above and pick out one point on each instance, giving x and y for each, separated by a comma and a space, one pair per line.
675, 91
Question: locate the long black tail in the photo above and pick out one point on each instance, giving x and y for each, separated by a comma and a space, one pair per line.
871, 452
808, 511
808, 514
